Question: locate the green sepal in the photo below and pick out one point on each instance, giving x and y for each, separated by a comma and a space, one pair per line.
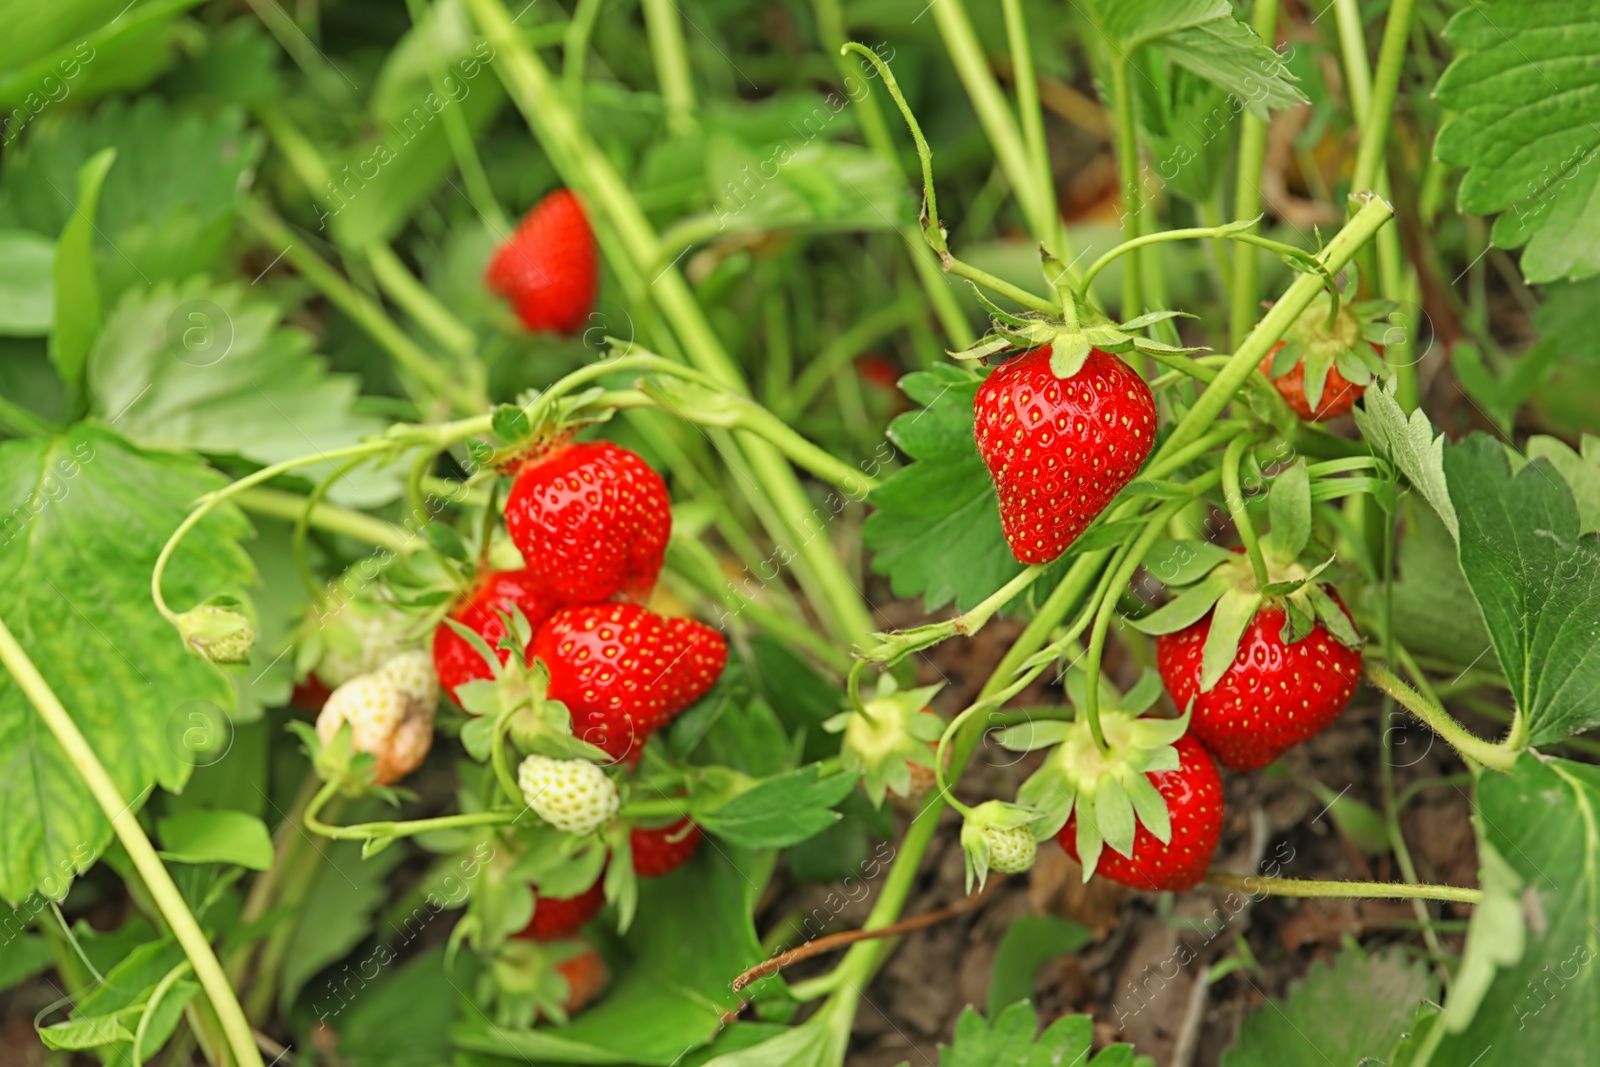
1150, 318
621, 882
1145, 692
1185, 609
991, 814
1184, 562
1068, 353
1233, 612
1333, 617
1289, 508
1284, 359
1113, 811
895, 734
1031, 735
996, 312
1318, 361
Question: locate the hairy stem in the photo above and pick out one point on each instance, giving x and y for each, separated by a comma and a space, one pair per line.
1495, 757
1295, 887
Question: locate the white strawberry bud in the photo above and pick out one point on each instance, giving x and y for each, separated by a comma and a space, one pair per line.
570, 794
1011, 851
361, 636
389, 717
413, 673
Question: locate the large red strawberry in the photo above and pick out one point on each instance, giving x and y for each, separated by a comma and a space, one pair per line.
591, 520
663, 849
454, 659
556, 917
625, 672
1060, 449
1271, 698
548, 268
1193, 794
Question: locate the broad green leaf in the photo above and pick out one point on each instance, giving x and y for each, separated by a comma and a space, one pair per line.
1541, 823
168, 206
403, 1019
216, 837
27, 288
193, 366
1012, 1040
819, 186
1028, 944
82, 518
1523, 95
129, 985
1350, 1011
34, 30
692, 937
1433, 608
1185, 119
1408, 443
87, 1033
337, 916
1205, 37
935, 530
778, 812
1536, 579
1566, 317
78, 312
25, 954
1582, 473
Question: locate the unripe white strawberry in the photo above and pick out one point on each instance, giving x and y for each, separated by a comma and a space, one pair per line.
413, 673
361, 636
1011, 851
570, 794
387, 719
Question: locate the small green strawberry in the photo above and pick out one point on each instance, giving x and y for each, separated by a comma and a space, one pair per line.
217, 632
891, 740
996, 836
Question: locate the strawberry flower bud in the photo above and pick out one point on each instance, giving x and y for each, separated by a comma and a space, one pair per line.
219, 634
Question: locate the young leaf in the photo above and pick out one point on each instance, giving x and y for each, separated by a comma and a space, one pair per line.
1028, 944
1537, 580
935, 529
1409, 444
216, 837
780, 811
1010, 1041
78, 310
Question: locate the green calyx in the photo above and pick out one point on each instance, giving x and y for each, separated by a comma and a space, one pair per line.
1109, 789
999, 837
1348, 341
218, 632
1070, 343
524, 982
894, 732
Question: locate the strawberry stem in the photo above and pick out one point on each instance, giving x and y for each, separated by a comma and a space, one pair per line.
1295, 887
1496, 757
1236, 507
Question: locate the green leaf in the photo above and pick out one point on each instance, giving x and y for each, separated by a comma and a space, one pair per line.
403, 1019
82, 518
168, 206
1355, 1010
78, 313
1524, 98
1204, 36
935, 530
1289, 507
1028, 944
1537, 581
216, 837
817, 186
27, 288
1234, 610
1409, 444
25, 955
693, 935
1184, 562
780, 811
1539, 823
1010, 1041
210, 368
1434, 611
1582, 473
85, 1033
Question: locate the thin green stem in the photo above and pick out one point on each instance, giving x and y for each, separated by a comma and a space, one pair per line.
157, 995
1226, 232
302, 524
1356, 233
425, 309
664, 26
370, 831
361, 310
840, 349
1028, 110
1127, 140
282, 504
1381, 95
575, 45
125, 823
1242, 295
1028, 300
1295, 887
1495, 757
1231, 459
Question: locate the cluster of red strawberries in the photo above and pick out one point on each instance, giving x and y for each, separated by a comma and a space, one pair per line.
1058, 450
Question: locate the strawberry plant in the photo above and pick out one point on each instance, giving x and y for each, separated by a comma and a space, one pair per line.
801, 534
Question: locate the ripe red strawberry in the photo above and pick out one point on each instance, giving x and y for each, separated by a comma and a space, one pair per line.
1193, 794
557, 917
591, 520
310, 693
625, 672
1273, 696
664, 849
1059, 450
453, 658
548, 268
1339, 395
